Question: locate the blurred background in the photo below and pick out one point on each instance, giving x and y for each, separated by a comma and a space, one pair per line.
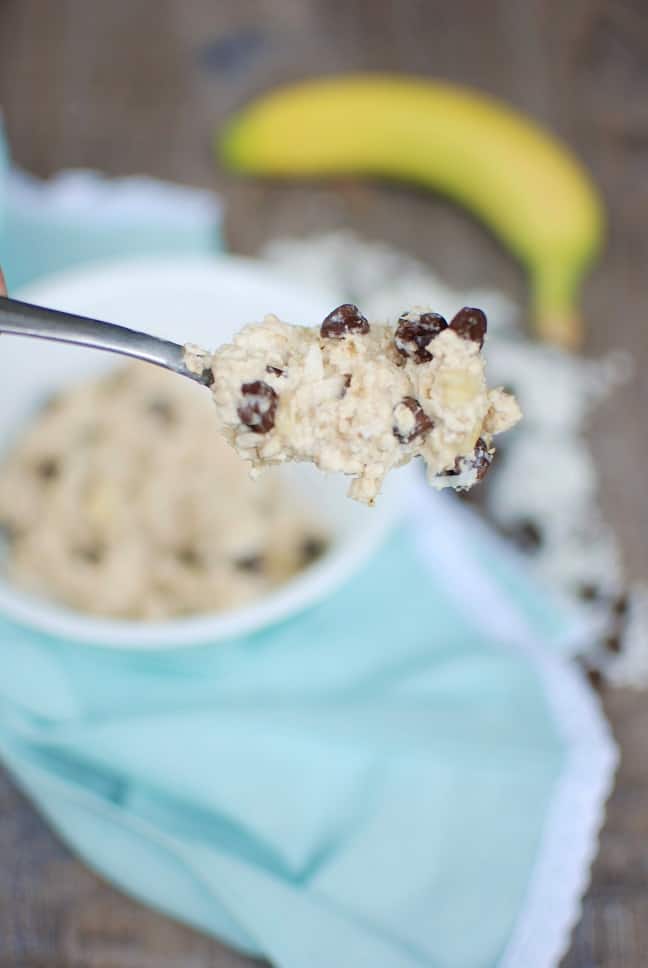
134, 87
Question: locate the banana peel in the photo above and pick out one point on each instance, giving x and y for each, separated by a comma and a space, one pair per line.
526, 186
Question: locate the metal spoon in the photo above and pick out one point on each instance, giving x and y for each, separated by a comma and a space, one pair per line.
23, 319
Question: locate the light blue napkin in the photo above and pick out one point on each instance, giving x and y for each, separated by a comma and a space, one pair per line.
410, 773
81, 216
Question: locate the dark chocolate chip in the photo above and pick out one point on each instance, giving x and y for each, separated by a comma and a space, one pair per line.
589, 592
525, 534
481, 459
275, 370
621, 604
251, 564
48, 468
344, 320
613, 643
259, 407
347, 384
455, 470
470, 323
189, 557
208, 376
413, 336
92, 554
422, 423
595, 677
162, 409
312, 548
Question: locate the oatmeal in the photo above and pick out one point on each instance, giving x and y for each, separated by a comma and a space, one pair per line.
122, 499
361, 398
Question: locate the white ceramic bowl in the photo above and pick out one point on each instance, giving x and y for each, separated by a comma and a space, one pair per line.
202, 300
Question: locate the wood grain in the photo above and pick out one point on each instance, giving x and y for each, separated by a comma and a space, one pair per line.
131, 86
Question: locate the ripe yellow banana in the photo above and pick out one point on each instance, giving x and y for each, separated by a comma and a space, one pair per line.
525, 185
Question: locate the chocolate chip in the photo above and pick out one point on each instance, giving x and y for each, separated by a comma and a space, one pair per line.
470, 323
525, 534
162, 409
413, 336
588, 592
621, 604
344, 320
312, 548
259, 407
189, 557
347, 384
275, 370
208, 376
454, 471
92, 554
251, 564
481, 459
422, 423
595, 677
48, 468
613, 643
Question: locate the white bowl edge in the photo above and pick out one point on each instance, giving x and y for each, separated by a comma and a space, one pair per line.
107, 284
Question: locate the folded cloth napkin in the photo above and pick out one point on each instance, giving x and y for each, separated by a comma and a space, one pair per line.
410, 773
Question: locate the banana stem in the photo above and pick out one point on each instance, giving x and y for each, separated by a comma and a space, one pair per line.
554, 302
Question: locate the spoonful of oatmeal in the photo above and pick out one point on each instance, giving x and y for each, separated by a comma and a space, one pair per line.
352, 397
361, 398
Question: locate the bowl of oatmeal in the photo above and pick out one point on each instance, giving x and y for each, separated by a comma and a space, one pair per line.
126, 518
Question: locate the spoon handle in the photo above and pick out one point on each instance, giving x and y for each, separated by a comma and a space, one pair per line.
23, 319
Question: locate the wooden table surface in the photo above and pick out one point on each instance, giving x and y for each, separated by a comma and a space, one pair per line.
135, 86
